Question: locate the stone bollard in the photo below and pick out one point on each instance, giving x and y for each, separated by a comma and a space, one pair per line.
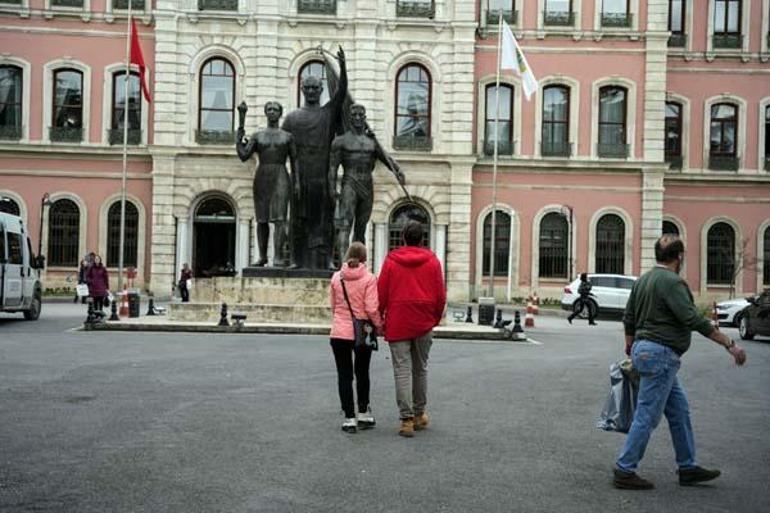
518, 332
469, 314
223, 316
150, 306
114, 311
498, 319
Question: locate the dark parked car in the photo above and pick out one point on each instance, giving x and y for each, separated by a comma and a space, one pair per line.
756, 317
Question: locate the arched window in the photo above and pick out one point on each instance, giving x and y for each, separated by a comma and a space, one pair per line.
413, 108
399, 218
119, 106
723, 137
63, 233
502, 243
670, 228
610, 245
554, 246
555, 138
131, 240
67, 118
313, 69
217, 101
10, 102
673, 128
8, 206
720, 254
766, 258
767, 138
612, 122
504, 129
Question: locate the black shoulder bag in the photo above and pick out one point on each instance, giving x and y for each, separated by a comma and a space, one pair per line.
363, 329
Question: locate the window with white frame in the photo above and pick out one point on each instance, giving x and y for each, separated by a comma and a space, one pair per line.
616, 13
505, 7
216, 102
11, 83
553, 246
558, 13
767, 140
67, 115
118, 118
612, 122
502, 243
63, 233
723, 140
610, 245
555, 123
727, 24
499, 128
676, 23
720, 254
131, 235
673, 130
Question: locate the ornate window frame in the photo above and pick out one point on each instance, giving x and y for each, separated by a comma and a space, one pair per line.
23, 211
514, 253
107, 88
704, 286
481, 101
26, 76
535, 247
745, 29
576, 17
740, 147
633, 11
628, 249
141, 234
631, 108
685, 141
574, 111
49, 68
764, 103
82, 228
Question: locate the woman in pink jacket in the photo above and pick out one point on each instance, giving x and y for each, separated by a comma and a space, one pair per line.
361, 286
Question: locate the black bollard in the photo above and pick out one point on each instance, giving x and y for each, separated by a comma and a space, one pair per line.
114, 311
150, 306
91, 315
498, 319
469, 315
223, 316
518, 332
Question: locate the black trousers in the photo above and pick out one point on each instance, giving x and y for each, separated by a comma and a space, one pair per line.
185, 293
584, 304
346, 367
99, 303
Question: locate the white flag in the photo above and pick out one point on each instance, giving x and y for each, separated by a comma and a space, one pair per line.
513, 59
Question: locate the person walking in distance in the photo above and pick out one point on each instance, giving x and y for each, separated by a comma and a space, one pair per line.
184, 279
82, 278
584, 302
353, 288
659, 318
98, 282
412, 301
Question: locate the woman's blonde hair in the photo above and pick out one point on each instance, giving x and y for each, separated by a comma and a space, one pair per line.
356, 254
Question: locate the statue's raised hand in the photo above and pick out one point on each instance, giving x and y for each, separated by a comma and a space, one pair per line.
341, 54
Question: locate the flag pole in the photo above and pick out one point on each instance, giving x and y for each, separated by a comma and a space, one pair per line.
494, 158
126, 80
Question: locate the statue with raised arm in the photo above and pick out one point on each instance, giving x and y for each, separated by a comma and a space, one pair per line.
357, 151
272, 183
314, 127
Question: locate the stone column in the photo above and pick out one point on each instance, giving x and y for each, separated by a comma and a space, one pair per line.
652, 215
380, 245
242, 241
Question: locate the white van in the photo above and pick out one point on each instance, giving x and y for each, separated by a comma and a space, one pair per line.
20, 287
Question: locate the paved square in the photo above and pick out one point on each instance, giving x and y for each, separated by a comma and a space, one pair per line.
119, 422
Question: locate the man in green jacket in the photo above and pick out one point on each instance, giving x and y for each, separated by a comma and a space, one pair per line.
660, 316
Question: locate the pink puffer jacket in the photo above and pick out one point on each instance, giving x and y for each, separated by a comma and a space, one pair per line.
362, 291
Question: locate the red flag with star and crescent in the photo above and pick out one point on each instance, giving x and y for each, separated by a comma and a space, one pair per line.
137, 59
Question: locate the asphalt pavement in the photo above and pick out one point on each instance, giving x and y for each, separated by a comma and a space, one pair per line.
157, 422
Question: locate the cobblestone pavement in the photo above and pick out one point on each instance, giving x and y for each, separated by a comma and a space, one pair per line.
121, 422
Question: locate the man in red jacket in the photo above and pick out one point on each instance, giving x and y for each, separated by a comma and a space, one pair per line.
412, 299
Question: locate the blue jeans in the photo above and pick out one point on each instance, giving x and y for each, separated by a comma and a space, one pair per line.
659, 393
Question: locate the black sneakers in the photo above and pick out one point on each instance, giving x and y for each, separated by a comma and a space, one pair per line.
695, 475
630, 481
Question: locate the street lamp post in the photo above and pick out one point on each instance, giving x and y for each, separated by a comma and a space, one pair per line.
45, 202
569, 239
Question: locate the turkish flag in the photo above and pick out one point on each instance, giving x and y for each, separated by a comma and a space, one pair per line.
137, 58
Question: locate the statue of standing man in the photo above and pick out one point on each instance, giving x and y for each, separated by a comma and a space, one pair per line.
272, 184
314, 127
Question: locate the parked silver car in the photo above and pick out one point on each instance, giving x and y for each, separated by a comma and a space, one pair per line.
609, 292
730, 312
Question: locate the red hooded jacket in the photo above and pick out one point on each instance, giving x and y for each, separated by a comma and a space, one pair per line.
411, 293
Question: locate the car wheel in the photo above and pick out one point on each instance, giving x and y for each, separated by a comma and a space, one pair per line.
33, 313
737, 319
743, 329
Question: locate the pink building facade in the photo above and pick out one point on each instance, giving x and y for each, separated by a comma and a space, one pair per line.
649, 115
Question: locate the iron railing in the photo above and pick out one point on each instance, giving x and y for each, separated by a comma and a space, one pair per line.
116, 136
217, 5
65, 134
414, 9
616, 19
10, 132
317, 7
612, 150
215, 137
559, 18
412, 143
67, 3
723, 163
503, 147
674, 161
733, 41
677, 40
510, 17
123, 4
555, 149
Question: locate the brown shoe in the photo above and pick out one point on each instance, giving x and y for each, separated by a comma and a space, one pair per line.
421, 421
630, 481
407, 428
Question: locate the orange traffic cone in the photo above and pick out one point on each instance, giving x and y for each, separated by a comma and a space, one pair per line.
535, 304
529, 320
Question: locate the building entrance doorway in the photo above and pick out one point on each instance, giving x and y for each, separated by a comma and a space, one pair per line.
214, 239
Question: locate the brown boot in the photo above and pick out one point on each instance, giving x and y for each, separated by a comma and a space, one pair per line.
407, 428
421, 421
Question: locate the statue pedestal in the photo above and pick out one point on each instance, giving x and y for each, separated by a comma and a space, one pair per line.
264, 294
